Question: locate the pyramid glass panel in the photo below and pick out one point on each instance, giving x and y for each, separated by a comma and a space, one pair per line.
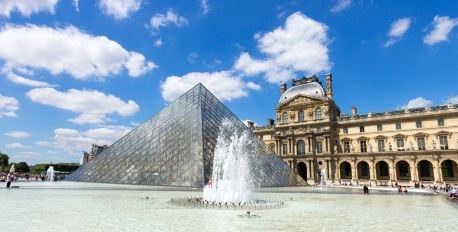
175, 148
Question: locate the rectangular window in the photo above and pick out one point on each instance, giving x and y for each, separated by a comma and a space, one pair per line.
319, 147
400, 144
398, 126
379, 127
285, 149
345, 130
361, 129
272, 136
440, 121
381, 145
444, 142
418, 123
363, 145
261, 137
421, 144
346, 146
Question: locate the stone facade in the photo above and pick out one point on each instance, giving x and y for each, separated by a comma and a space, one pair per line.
407, 147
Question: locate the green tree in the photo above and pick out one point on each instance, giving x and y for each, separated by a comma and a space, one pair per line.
4, 158
22, 167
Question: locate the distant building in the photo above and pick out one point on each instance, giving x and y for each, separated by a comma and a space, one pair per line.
406, 147
88, 156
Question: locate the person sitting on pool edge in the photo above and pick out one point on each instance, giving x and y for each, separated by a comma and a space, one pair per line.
366, 189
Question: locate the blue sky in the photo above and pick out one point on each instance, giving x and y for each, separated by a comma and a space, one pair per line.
76, 73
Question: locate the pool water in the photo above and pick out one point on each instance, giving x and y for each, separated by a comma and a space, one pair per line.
69, 206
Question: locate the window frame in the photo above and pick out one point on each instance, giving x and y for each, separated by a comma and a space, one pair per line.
381, 148
318, 114
440, 121
418, 124
363, 146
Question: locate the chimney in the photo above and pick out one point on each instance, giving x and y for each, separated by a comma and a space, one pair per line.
270, 122
250, 124
329, 93
283, 87
354, 111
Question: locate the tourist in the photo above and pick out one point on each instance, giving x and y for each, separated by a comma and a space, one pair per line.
366, 189
9, 179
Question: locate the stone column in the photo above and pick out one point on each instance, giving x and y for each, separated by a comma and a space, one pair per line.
372, 173
338, 170
413, 173
437, 171
327, 145
277, 148
328, 169
312, 169
308, 145
354, 171
289, 146
393, 176
294, 151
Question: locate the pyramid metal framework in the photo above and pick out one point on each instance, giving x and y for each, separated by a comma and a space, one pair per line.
176, 146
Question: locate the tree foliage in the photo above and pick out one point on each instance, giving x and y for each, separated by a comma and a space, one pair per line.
4, 159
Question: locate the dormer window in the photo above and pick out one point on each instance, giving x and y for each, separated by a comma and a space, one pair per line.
318, 113
301, 116
285, 118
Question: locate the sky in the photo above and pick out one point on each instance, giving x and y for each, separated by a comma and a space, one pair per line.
75, 73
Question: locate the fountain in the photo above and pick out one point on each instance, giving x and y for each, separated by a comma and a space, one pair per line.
231, 185
50, 174
231, 170
323, 177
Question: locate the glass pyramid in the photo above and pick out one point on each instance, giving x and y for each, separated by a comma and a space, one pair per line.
175, 148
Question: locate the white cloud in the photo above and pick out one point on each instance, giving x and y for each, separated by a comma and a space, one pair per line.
20, 80
418, 103
8, 106
204, 5
18, 134
16, 146
136, 65
42, 143
73, 141
26, 8
223, 84
163, 20
253, 86
120, 9
298, 46
76, 5
341, 5
192, 57
67, 50
26, 154
157, 43
91, 105
442, 26
452, 100
397, 30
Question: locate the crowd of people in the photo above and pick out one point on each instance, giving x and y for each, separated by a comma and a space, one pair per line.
10, 177
450, 191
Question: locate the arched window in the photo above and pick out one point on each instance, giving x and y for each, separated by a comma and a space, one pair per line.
285, 118
317, 113
300, 147
301, 116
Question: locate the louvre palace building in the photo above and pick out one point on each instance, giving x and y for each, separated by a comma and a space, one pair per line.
318, 142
